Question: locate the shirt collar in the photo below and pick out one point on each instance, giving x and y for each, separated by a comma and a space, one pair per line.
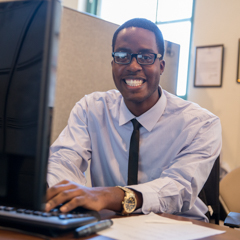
148, 119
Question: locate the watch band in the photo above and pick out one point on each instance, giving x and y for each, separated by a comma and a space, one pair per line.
129, 202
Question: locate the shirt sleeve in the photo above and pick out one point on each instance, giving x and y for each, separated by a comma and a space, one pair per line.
179, 185
70, 153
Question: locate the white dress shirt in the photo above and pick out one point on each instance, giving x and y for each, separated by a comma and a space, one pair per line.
179, 143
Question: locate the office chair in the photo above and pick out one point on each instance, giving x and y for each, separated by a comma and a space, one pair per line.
230, 197
210, 193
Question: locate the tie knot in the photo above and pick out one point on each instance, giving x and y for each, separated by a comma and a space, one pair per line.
136, 124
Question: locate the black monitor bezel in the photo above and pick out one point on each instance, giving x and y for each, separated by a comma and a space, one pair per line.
45, 109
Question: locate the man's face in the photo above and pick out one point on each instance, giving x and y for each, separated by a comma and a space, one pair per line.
138, 84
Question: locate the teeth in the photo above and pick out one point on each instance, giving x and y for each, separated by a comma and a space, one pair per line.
134, 82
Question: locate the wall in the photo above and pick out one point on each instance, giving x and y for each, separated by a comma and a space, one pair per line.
70, 3
80, 5
217, 22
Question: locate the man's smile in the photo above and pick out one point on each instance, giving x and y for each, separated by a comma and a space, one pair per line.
134, 82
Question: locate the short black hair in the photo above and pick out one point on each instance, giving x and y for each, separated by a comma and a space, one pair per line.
146, 24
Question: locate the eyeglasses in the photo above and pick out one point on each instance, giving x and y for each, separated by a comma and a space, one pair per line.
142, 58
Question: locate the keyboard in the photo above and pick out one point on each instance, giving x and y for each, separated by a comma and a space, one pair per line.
53, 220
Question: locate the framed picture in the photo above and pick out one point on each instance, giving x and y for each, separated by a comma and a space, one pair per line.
238, 66
208, 66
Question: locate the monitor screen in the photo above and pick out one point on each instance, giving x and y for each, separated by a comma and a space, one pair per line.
29, 33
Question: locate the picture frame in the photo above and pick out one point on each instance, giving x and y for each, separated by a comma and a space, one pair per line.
209, 66
238, 66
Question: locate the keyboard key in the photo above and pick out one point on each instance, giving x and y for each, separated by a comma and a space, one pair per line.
55, 213
69, 216
37, 213
9, 209
45, 214
29, 211
20, 210
54, 210
79, 215
62, 216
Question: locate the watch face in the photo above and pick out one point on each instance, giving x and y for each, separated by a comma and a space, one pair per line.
130, 204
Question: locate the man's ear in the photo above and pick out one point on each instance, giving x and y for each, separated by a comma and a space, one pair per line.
111, 62
162, 66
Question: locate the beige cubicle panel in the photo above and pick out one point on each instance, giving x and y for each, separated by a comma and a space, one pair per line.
168, 80
84, 63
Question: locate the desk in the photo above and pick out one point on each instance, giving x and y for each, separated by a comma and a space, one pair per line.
230, 234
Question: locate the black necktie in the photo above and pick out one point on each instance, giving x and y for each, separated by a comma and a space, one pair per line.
133, 154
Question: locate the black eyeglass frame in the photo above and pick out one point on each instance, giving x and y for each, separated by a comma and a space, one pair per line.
158, 55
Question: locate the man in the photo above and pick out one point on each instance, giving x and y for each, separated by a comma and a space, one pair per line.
179, 141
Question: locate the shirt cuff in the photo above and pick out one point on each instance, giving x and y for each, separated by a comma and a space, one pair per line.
150, 198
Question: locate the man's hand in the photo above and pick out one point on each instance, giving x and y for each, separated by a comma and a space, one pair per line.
74, 195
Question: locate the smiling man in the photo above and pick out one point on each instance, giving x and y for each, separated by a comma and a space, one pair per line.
134, 77
179, 141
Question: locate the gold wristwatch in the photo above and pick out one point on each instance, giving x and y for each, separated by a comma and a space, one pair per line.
129, 202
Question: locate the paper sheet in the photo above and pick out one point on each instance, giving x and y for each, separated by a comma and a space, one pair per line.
153, 226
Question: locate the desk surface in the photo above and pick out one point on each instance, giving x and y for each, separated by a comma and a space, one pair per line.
230, 234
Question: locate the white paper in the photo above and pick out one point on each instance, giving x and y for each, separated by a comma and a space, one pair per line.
149, 227
154, 218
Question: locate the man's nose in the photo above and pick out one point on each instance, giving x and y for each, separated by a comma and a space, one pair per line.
134, 65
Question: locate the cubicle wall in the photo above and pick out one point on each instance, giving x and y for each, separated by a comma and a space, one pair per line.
84, 63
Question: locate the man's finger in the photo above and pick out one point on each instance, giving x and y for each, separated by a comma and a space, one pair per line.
62, 197
59, 187
75, 202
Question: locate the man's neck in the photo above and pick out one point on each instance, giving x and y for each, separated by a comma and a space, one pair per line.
138, 108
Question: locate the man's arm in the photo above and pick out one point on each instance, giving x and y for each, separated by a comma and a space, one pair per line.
97, 198
70, 153
66, 164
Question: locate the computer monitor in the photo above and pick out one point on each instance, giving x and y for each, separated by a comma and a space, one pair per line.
29, 33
